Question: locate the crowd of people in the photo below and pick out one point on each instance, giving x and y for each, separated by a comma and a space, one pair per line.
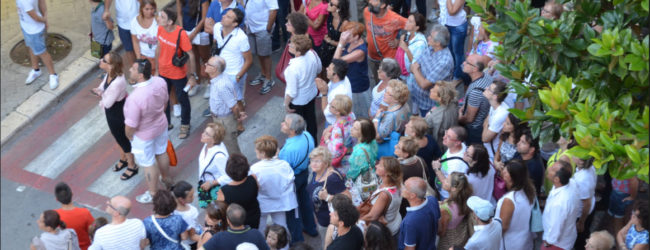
418, 150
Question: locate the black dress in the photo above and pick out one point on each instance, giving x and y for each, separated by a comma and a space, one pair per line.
327, 50
245, 195
115, 119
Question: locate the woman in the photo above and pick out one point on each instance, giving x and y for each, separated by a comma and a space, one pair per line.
55, 235
387, 198
510, 134
428, 149
364, 152
635, 234
410, 164
445, 115
483, 45
411, 44
454, 222
391, 122
325, 183
215, 222
337, 136
212, 163
339, 15
378, 237
455, 18
164, 218
514, 207
480, 174
112, 90
184, 194
388, 70
352, 49
101, 30
144, 29
243, 189
316, 11
191, 15
277, 193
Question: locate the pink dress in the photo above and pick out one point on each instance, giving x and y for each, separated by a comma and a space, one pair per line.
312, 14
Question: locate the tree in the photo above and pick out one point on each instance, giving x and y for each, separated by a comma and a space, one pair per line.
581, 82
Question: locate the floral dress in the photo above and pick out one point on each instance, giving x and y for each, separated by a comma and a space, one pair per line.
340, 140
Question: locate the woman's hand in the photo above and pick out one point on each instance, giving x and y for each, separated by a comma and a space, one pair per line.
345, 38
206, 185
322, 194
402, 43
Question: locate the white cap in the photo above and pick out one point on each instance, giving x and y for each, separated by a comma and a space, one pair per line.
482, 208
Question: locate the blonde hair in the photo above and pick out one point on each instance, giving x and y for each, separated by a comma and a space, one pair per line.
409, 145
323, 153
603, 240
446, 91
400, 91
342, 104
219, 132
266, 145
302, 43
419, 125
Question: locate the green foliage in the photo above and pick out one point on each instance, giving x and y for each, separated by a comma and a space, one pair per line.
581, 82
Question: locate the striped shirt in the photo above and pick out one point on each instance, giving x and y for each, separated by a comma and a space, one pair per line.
474, 98
434, 66
124, 236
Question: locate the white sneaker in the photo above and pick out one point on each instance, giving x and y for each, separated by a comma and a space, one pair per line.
177, 110
33, 74
206, 93
54, 81
259, 79
194, 90
144, 198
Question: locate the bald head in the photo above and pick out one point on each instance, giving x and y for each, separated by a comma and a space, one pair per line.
219, 63
417, 186
121, 204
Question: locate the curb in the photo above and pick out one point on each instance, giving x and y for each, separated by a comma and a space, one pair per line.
45, 98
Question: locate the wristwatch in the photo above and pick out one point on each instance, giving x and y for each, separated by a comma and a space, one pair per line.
195, 76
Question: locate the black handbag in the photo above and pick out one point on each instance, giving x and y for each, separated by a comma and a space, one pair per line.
179, 60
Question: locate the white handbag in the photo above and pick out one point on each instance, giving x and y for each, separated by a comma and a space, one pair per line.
183, 244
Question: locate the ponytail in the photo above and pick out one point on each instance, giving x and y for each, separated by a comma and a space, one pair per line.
52, 219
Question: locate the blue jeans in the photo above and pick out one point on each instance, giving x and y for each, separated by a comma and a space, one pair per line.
306, 211
457, 36
182, 97
280, 23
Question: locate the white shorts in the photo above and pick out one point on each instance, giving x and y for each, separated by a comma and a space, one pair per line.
145, 151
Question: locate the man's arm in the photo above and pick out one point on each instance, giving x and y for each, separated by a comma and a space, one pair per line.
269, 23
488, 135
129, 131
586, 206
469, 116
248, 62
157, 60
419, 77
192, 69
107, 9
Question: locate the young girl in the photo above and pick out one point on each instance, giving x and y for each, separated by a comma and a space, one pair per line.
184, 194
215, 222
276, 236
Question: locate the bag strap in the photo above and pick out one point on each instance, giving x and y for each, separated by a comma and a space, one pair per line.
374, 41
153, 218
206, 167
424, 173
465, 103
454, 158
306, 151
178, 40
325, 182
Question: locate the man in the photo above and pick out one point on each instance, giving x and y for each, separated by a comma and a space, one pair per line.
487, 231
217, 10
237, 232
344, 218
126, 10
260, 16
527, 150
223, 102
296, 151
452, 160
496, 93
434, 64
382, 27
33, 23
339, 85
562, 209
420, 225
475, 106
146, 127
74, 217
235, 50
176, 77
121, 233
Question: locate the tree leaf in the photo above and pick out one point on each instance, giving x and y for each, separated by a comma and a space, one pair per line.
632, 153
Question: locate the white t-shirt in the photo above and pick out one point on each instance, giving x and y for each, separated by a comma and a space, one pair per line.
126, 10
300, 75
147, 38
28, 24
334, 89
483, 186
124, 236
450, 166
257, 13
496, 118
585, 180
191, 217
232, 51
455, 20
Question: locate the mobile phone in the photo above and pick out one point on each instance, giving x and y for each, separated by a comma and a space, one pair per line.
187, 88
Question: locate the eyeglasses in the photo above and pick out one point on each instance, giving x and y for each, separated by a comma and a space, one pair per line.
108, 203
470, 64
207, 64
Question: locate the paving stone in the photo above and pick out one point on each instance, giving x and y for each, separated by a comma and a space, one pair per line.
11, 123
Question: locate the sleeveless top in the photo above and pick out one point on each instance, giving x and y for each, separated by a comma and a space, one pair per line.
518, 235
245, 194
358, 71
392, 215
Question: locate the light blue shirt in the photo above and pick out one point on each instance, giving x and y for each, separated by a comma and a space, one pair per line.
296, 151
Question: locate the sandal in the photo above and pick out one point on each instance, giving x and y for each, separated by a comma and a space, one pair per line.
126, 176
170, 126
120, 165
184, 131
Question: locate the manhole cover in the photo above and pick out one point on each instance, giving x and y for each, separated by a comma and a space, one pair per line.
58, 46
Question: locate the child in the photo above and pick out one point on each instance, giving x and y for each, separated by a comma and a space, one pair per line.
184, 194
276, 236
98, 223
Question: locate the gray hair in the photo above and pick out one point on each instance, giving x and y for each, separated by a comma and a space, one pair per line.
391, 68
123, 211
221, 64
236, 215
419, 188
297, 123
441, 35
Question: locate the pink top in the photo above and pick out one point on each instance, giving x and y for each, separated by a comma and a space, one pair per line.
115, 92
144, 109
321, 9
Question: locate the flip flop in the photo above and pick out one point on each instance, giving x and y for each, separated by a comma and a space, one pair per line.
126, 176
121, 165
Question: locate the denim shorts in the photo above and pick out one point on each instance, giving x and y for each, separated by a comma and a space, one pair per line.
36, 42
125, 37
616, 204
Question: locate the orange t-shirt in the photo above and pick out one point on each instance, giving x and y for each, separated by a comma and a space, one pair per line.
385, 29
78, 219
167, 45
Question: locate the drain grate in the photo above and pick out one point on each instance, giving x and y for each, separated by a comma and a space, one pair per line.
58, 46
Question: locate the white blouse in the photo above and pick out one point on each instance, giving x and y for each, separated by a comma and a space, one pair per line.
215, 169
277, 192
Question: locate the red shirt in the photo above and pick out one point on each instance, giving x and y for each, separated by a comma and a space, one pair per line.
78, 219
385, 29
167, 45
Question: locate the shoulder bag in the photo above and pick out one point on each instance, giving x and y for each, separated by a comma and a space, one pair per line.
180, 57
207, 196
216, 50
430, 190
500, 188
173, 161
283, 64
183, 245
536, 218
366, 206
366, 183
